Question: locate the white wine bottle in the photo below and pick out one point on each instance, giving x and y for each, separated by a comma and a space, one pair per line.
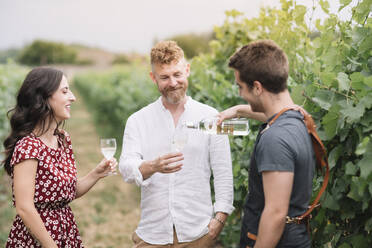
236, 127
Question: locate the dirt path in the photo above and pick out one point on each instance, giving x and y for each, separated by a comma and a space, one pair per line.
109, 213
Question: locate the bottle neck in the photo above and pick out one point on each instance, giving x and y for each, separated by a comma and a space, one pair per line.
190, 124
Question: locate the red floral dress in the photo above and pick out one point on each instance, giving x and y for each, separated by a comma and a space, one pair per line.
55, 187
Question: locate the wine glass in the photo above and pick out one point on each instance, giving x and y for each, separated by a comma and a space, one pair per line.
108, 149
179, 139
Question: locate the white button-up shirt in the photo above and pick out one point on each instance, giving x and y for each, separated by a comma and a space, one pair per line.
181, 199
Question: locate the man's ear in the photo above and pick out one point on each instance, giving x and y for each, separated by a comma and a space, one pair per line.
257, 88
187, 69
152, 76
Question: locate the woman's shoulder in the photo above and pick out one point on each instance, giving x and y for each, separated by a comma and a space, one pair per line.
28, 147
29, 140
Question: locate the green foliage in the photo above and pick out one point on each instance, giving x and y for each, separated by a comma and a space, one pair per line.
331, 76
193, 44
47, 52
121, 59
116, 94
11, 78
10, 54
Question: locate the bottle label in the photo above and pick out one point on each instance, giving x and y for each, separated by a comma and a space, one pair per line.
225, 129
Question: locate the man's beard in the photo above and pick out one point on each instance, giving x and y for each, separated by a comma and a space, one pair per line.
174, 96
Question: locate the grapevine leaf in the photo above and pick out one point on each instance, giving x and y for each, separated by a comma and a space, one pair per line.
368, 225
323, 98
324, 5
327, 77
329, 122
297, 94
356, 77
351, 169
354, 190
365, 164
343, 81
360, 241
344, 3
352, 114
362, 146
345, 245
299, 13
366, 101
362, 10
331, 203
334, 155
368, 81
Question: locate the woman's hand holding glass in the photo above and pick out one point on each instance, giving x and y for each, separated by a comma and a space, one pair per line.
108, 165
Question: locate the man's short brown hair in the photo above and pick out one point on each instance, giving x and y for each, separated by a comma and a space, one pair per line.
166, 52
262, 61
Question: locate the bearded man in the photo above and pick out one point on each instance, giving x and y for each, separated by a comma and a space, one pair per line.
176, 200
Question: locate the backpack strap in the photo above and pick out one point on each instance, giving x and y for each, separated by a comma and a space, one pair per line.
320, 153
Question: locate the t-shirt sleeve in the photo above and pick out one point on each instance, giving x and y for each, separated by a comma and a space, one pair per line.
276, 151
27, 148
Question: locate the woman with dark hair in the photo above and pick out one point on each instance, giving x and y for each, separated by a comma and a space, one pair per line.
40, 161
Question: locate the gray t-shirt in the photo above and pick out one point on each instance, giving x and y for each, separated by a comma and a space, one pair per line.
287, 146
284, 146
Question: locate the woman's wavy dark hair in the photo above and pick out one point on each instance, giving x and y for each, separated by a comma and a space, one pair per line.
32, 108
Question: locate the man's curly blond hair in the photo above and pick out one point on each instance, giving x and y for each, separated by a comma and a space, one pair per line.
166, 52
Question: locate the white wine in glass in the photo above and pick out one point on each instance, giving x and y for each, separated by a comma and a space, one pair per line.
179, 139
108, 149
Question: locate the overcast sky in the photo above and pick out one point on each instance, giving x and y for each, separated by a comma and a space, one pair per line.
116, 25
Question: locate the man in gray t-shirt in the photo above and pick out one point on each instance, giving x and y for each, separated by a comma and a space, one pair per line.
284, 147
283, 161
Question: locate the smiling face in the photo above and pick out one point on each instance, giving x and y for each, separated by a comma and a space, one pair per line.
171, 80
61, 100
251, 95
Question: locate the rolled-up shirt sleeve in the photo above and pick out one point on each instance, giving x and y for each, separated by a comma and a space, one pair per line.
220, 160
131, 156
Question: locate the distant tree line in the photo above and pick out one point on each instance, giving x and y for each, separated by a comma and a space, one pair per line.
46, 52
193, 44
41, 52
